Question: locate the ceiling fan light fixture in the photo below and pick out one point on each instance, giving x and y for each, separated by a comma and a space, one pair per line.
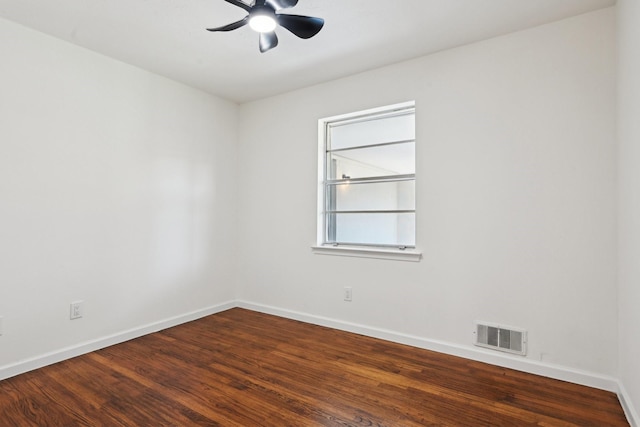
262, 22
264, 17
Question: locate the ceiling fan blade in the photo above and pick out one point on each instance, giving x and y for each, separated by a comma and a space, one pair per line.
239, 4
282, 4
232, 26
304, 27
268, 41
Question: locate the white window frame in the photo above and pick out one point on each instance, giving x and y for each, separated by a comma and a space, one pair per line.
365, 251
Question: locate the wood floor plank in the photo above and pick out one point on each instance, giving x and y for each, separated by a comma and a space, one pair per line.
241, 368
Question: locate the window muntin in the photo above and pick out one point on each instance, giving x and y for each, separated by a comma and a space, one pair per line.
377, 160
369, 179
371, 130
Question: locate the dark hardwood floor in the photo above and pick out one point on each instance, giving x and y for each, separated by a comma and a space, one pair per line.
241, 368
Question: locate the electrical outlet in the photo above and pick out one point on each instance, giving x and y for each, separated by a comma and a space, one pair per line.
76, 310
348, 293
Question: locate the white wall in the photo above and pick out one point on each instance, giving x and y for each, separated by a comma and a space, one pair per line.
516, 195
116, 188
629, 190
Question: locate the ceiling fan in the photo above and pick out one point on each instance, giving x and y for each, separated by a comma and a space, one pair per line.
264, 19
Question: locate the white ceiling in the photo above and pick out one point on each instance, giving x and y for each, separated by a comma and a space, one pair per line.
168, 37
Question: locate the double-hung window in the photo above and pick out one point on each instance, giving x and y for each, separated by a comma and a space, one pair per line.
367, 179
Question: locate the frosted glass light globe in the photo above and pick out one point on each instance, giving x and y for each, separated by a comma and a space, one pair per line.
262, 23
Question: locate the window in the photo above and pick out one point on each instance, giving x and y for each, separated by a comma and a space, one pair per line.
367, 179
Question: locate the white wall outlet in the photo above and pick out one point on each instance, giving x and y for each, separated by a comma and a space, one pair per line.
76, 310
348, 293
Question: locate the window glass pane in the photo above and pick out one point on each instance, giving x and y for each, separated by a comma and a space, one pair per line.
372, 131
375, 229
371, 155
396, 159
398, 195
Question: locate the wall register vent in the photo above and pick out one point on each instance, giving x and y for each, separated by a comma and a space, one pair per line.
501, 338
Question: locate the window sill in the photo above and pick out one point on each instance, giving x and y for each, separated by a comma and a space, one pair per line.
361, 252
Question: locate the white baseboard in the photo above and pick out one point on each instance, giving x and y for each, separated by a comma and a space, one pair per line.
558, 372
627, 406
27, 365
519, 363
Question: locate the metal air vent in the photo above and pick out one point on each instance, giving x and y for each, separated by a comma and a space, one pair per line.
495, 337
